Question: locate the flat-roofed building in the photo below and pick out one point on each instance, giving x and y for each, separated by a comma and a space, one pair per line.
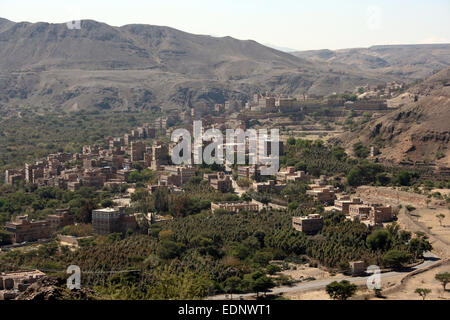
360, 211
23, 229
343, 204
380, 214
110, 220
235, 206
357, 267
12, 176
177, 175
289, 174
60, 219
221, 182
105, 221
137, 151
268, 187
324, 194
310, 224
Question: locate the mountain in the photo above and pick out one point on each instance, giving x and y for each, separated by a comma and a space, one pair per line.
402, 62
417, 131
49, 66
284, 49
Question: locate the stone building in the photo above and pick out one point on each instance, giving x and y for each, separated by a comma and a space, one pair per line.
12, 176
344, 203
310, 224
22, 229
110, 220
60, 219
323, 194
289, 174
12, 283
235, 206
221, 182
380, 214
357, 267
268, 187
137, 151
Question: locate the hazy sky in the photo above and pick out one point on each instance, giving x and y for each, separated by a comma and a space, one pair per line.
295, 24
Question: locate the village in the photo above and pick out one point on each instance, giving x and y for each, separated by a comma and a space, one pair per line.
148, 147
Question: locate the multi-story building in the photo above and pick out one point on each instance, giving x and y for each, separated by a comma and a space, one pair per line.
249, 172
380, 214
289, 174
137, 151
160, 155
161, 123
235, 206
12, 176
22, 229
344, 203
324, 194
310, 224
105, 221
268, 187
287, 104
60, 219
93, 178
359, 211
110, 220
177, 175
34, 171
221, 182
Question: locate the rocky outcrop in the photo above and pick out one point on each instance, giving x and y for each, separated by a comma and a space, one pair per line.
418, 131
54, 289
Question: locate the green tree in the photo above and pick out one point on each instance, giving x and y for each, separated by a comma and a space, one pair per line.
231, 284
360, 150
262, 258
444, 278
263, 284
404, 178
378, 240
441, 217
291, 141
169, 249
161, 200
273, 268
107, 203
396, 258
418, 246
5, 237
341, 290
423, 292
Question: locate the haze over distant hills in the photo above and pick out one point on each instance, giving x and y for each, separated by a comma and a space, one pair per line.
406, 62
48, 66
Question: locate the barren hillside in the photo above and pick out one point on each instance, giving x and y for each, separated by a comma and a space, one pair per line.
417, 131
143, 66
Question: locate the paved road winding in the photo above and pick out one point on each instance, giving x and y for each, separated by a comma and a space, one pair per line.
430, 259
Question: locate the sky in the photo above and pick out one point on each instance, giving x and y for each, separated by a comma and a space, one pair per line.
293, 24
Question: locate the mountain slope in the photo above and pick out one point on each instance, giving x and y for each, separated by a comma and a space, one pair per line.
143, 66
417, 131
403, 62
